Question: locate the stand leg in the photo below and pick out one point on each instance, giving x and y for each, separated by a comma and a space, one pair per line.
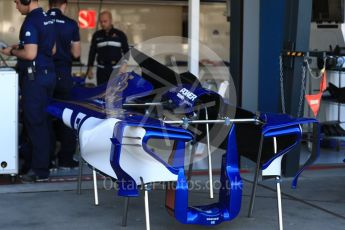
125, 212
279, 197
209, 156
147, 210
256, 177
80, 174
279, 200
95, 189
191, 161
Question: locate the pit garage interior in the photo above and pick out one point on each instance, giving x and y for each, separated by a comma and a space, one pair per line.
272, 53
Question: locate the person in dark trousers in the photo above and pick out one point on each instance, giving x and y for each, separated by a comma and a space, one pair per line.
37, 75
110, 45
67, 46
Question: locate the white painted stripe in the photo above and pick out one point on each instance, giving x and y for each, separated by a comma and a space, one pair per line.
104, 44
66, 117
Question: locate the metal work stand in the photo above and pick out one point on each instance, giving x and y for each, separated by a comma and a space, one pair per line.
279, 201
95, 188
209, 155
279, 197
146, 188
125, 212
147, 210
80, 174
255, 183
256, 178
226, 121
94, 176
191, 161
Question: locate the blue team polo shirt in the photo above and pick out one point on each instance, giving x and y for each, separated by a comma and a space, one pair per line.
38, 28
67, 32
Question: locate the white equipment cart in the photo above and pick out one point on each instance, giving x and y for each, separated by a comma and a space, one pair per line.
8, 121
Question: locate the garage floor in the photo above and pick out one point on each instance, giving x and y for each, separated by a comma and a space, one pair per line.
318, 203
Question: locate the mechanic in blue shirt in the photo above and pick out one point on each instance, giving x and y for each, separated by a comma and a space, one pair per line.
37, 76
67, 46
110, 45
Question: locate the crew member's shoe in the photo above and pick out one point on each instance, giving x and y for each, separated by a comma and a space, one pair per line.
70, 165
31, 177
53, 167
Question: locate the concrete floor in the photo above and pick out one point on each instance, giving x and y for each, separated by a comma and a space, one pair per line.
318, 203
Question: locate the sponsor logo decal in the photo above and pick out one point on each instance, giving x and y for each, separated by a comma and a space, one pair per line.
185, 93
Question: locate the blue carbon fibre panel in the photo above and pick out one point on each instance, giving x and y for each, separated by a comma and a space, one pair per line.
294, 130
55, 106
56, 110
127, 185
94, 101
80, 93
181, 138
121, 85
187, 101
127, 87
282, 124
315, 154
230, 194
